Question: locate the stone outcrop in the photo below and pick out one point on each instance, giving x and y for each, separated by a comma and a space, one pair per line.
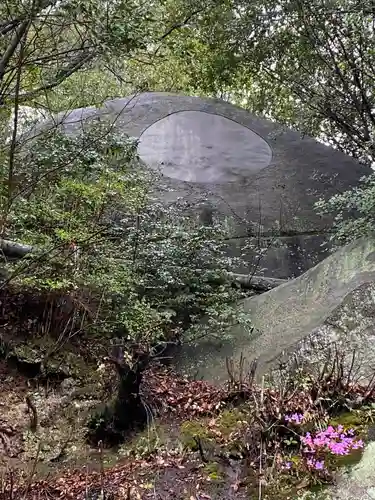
264, 179
331, 304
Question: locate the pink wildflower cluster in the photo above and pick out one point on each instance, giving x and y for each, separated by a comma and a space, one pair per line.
336, 441
295, 418
315, 464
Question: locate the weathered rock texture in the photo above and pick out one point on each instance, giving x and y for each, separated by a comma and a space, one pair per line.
261, 176
332, 303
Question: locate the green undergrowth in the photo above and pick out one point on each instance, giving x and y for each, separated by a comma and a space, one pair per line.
213, 432
220, 443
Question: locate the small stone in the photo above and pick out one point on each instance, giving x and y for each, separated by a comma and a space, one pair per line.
67, 385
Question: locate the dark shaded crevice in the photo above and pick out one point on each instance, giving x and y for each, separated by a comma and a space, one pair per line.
282, 234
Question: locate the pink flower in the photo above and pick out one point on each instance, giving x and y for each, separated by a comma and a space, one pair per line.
358, 444
335, 441
294, 418
319, 465
315, 464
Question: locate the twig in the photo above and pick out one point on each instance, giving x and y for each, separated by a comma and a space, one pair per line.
100, 444
198, 441
34, 414
370, 387
230, 370
350, 371
87, 483
260, 470
252, 372
261, 448
10, 482
63, 448
35, 463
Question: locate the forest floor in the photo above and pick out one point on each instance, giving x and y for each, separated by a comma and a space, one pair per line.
201, 442
157, 462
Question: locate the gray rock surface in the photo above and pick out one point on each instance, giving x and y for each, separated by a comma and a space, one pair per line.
264, 179
359, 482
211, 149
332, 303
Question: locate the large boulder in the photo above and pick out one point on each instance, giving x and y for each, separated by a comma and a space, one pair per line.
262, 178
332, 303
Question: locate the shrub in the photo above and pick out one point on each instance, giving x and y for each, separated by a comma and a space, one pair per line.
353, 210
84, 204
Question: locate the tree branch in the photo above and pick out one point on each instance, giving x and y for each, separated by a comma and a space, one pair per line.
17, 37
62, 75
180, 24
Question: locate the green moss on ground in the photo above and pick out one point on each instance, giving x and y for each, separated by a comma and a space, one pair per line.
214, 472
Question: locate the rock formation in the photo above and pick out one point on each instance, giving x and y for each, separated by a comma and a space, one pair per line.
264, 179
331, 304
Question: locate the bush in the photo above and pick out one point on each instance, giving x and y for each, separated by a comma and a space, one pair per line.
354, 212
84, 204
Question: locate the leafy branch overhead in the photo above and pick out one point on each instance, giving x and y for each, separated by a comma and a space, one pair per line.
309, 65
50, 40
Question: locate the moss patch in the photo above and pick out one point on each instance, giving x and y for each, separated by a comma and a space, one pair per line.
214, 472
231, 420
192, 430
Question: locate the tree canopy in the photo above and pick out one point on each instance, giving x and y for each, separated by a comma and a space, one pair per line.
309, 65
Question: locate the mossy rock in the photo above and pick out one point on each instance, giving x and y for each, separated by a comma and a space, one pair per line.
148, 441
68, 364
355, 419
25, 359
213, 472
26, 353
231, 420
191, 430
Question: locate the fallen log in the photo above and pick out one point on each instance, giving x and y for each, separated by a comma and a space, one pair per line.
257, 283
11, 249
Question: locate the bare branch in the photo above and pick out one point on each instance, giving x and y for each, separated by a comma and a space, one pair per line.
62, 75
12, 47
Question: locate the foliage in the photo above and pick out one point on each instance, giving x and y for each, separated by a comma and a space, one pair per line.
45, 42
354, 212
71, 53
182, 266
308, 65
84, 203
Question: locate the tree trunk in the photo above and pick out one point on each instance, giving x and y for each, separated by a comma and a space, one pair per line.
126, 411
